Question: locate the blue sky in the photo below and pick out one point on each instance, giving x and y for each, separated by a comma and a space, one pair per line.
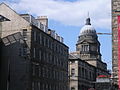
67, 17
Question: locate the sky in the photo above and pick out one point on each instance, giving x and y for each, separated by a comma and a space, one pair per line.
67, 17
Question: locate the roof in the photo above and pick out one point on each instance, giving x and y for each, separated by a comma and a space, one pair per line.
73, 55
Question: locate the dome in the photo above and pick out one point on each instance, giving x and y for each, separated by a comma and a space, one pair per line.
88, 29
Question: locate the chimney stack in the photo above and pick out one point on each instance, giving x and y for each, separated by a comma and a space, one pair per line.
43, 20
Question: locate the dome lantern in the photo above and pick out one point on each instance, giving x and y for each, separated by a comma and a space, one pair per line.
88, 21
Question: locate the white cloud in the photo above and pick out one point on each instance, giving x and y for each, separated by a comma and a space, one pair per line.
69, 13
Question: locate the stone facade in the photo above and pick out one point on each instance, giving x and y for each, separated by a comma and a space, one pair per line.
82, 74
115, 13
31, 58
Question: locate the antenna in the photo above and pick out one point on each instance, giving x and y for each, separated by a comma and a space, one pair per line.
88, 20
88, 14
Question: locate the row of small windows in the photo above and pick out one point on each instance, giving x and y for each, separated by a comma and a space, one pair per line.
50, 73
83, 73
99, 72
88, 48
47, 57
83, 64
46, 86
85, 48
46, 41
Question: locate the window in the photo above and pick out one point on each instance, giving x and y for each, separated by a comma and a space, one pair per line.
34, 36
54, 74
54, 47
34, 52
33, 86
85, 48
43, 71
33, 70
72, 72
6, 41
46, 86
86, 74
79, 73
44, 55
11, 39
25, 34
90, 75
82, 72
38, 85
40, 54
47, 72
43, 86
50, 87
72, 88
48, 43
47, 57
39, 71
40, 38
44, 41
50, 58
36, 70
24, 50
51, 45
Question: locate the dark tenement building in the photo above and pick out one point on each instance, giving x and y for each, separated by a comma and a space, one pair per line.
2, 19
33, 57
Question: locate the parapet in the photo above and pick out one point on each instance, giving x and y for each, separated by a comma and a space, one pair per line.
42, 23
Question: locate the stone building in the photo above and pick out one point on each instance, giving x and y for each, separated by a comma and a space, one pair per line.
82, 74
33, 57
86, 61
115, 56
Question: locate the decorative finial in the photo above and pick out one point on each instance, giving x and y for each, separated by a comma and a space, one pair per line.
88, 20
